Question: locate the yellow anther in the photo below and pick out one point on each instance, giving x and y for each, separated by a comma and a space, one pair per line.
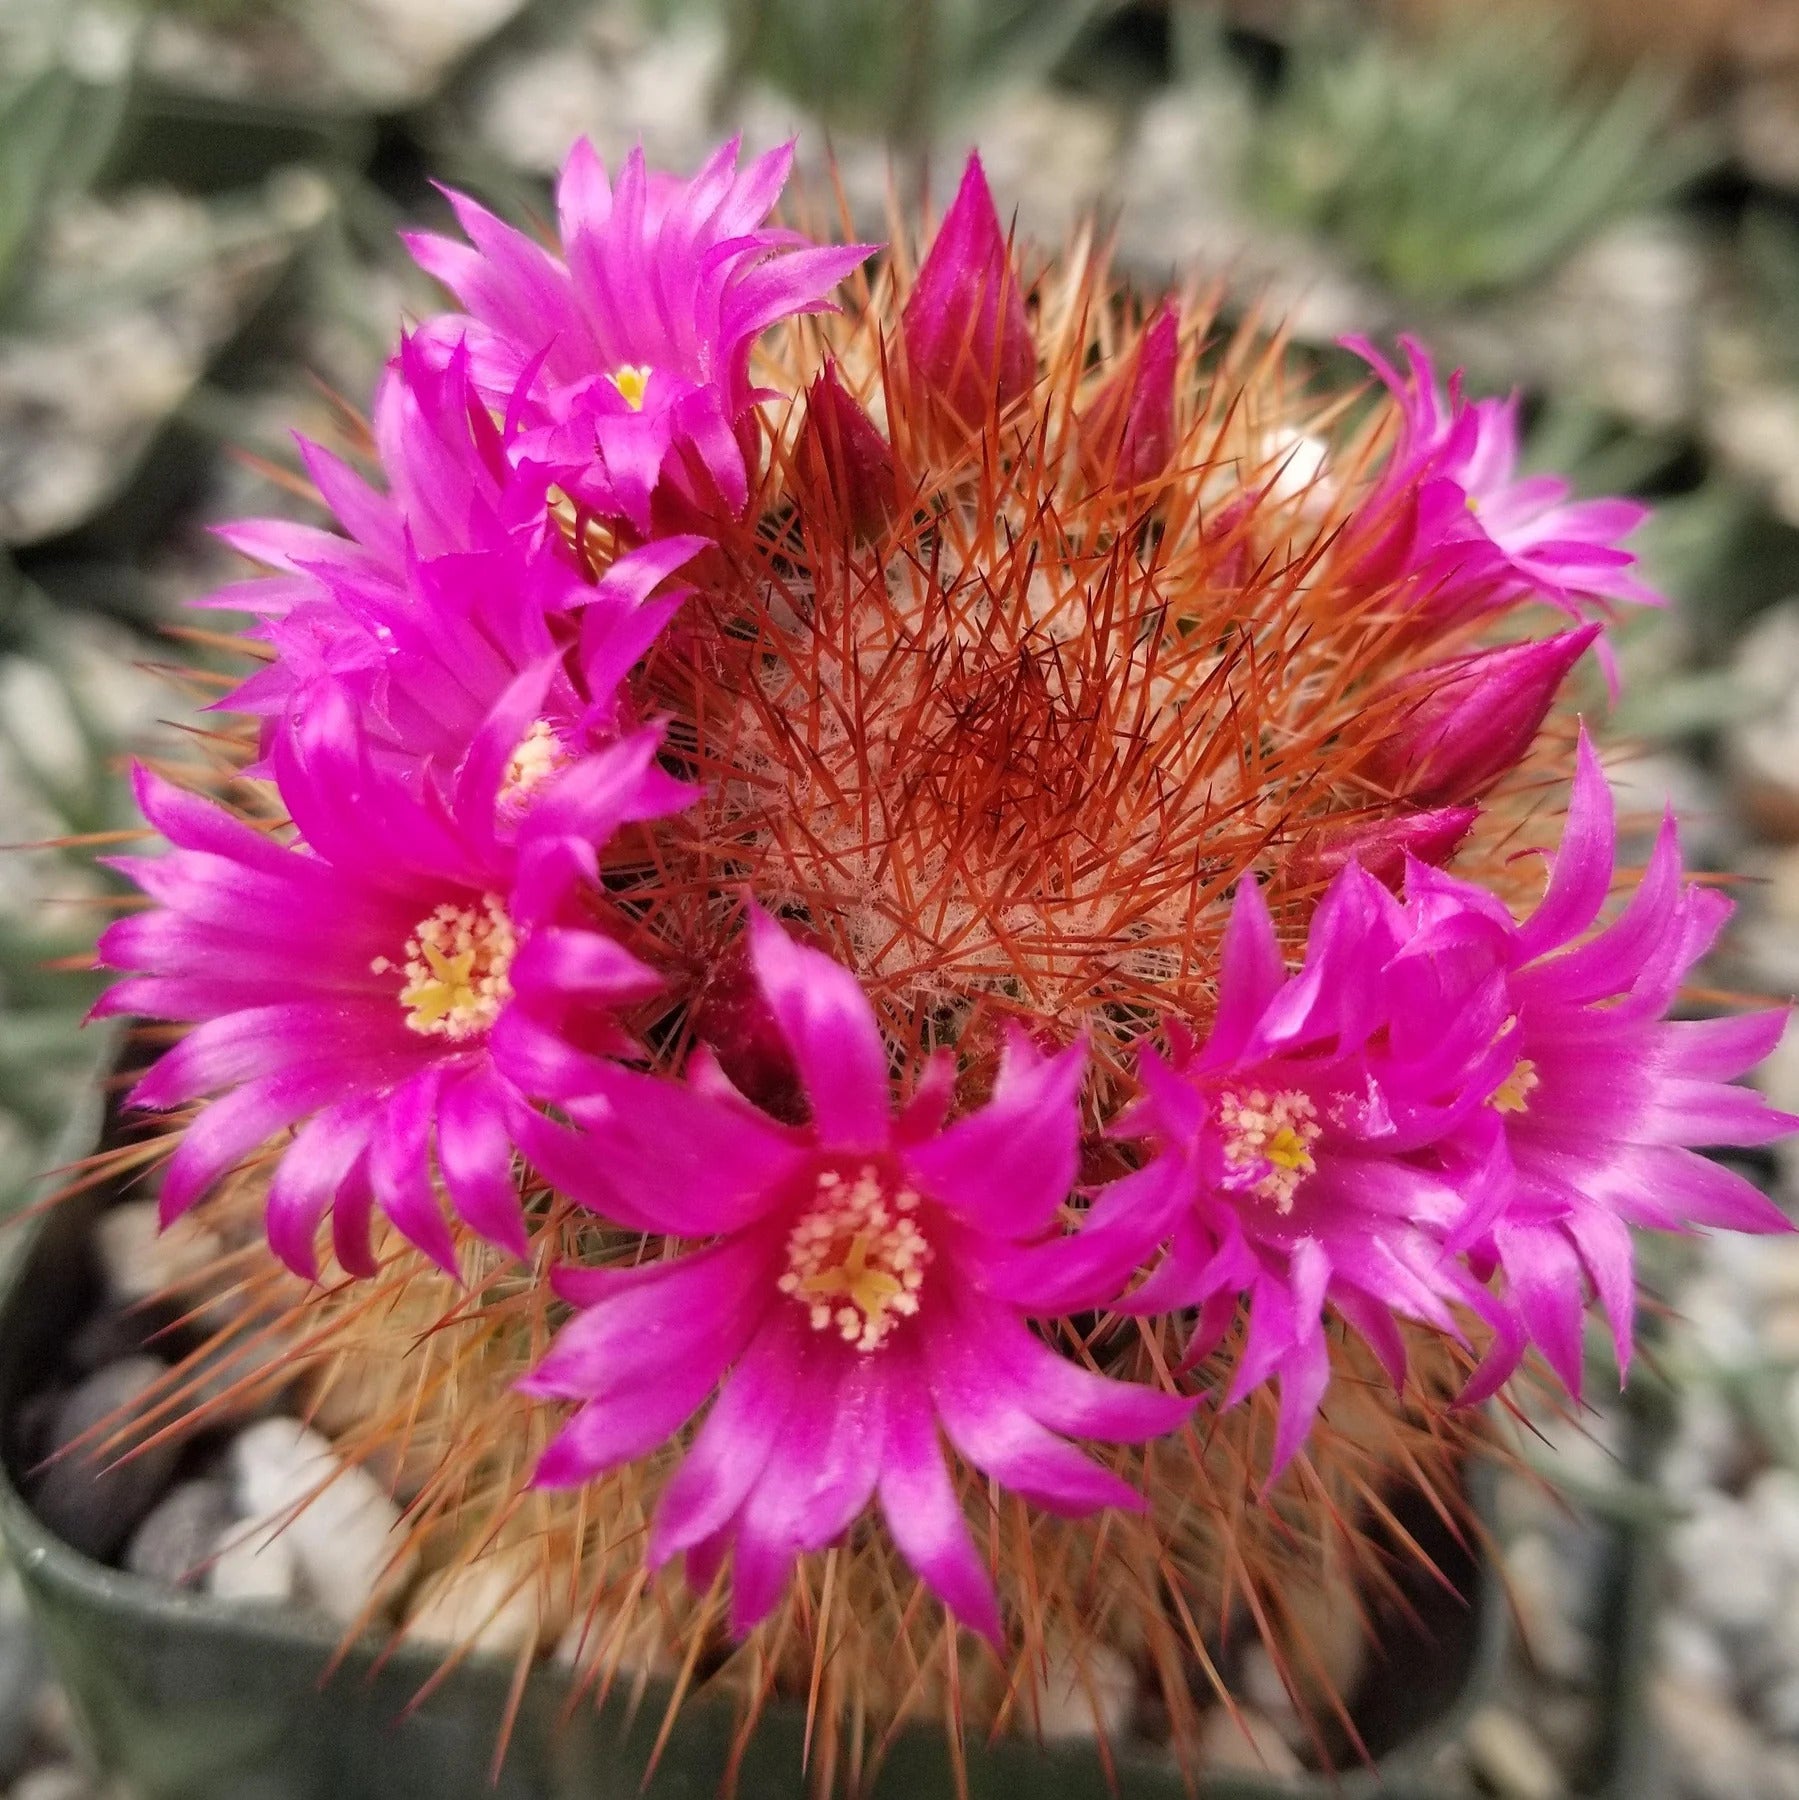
457, 969
540, 752
633, 381
1513, 1094
856, 1260
1272, 1134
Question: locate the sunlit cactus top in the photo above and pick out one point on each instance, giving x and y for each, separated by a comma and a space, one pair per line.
919, 860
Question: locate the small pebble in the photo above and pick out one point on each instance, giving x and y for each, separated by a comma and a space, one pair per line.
55, 1781
1717, 1753
1773, 1502
1510, 1756
140, 1260
1244, 1743
253, 1565
345, 1531
1087, 1694
174, 1541
496, 1605
1688, 1651
1732, 1578
90, 1498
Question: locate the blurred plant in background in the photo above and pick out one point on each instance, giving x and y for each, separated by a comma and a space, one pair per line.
1471, 157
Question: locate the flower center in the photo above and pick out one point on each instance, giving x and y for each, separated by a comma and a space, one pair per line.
457, 969
540, 753
857, 1259
1268, 1141
1513, 1094
633, 381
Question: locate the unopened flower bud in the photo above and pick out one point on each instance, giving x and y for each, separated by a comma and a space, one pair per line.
1128, 436
1458, 727
735, 1022
964, 324
1382, 846
842, 455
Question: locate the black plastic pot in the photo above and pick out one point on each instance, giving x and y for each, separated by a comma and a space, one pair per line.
193, 1699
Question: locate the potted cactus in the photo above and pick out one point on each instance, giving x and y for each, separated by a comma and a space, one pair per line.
869, 1057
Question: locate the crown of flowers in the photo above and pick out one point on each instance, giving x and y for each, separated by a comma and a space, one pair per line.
880, 839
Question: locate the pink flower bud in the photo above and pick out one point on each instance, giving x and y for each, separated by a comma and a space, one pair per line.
1381, 846
844, 459
964, 324
1128, 436
735, 1022
1461, 725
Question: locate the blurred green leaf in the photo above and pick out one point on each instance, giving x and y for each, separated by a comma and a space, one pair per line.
1472, 159
54, 134
900, 67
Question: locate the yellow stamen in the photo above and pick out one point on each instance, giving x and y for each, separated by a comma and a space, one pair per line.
1274, 1134
633, 381
858, 1245
457, 969
1513, 1094
540, 753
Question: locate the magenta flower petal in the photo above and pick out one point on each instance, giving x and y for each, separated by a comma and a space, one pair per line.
1006, 1169
307, 1179
809, 1497
1073, 1400
661, 1158
733, 1446
697, 1309
474, 1151
352, 1214
918, 1501
400, 1167
831, 1031
1582, 874
1305, 1374
1546, 1281
991, 1425
604, 1434
227, 1130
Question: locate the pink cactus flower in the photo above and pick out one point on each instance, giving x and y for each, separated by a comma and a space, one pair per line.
866, 1285
1602, 1102
1286, 1167
626, 359
1477, 533
450, 586
965, 326
429, 657
455, 481
409, 975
